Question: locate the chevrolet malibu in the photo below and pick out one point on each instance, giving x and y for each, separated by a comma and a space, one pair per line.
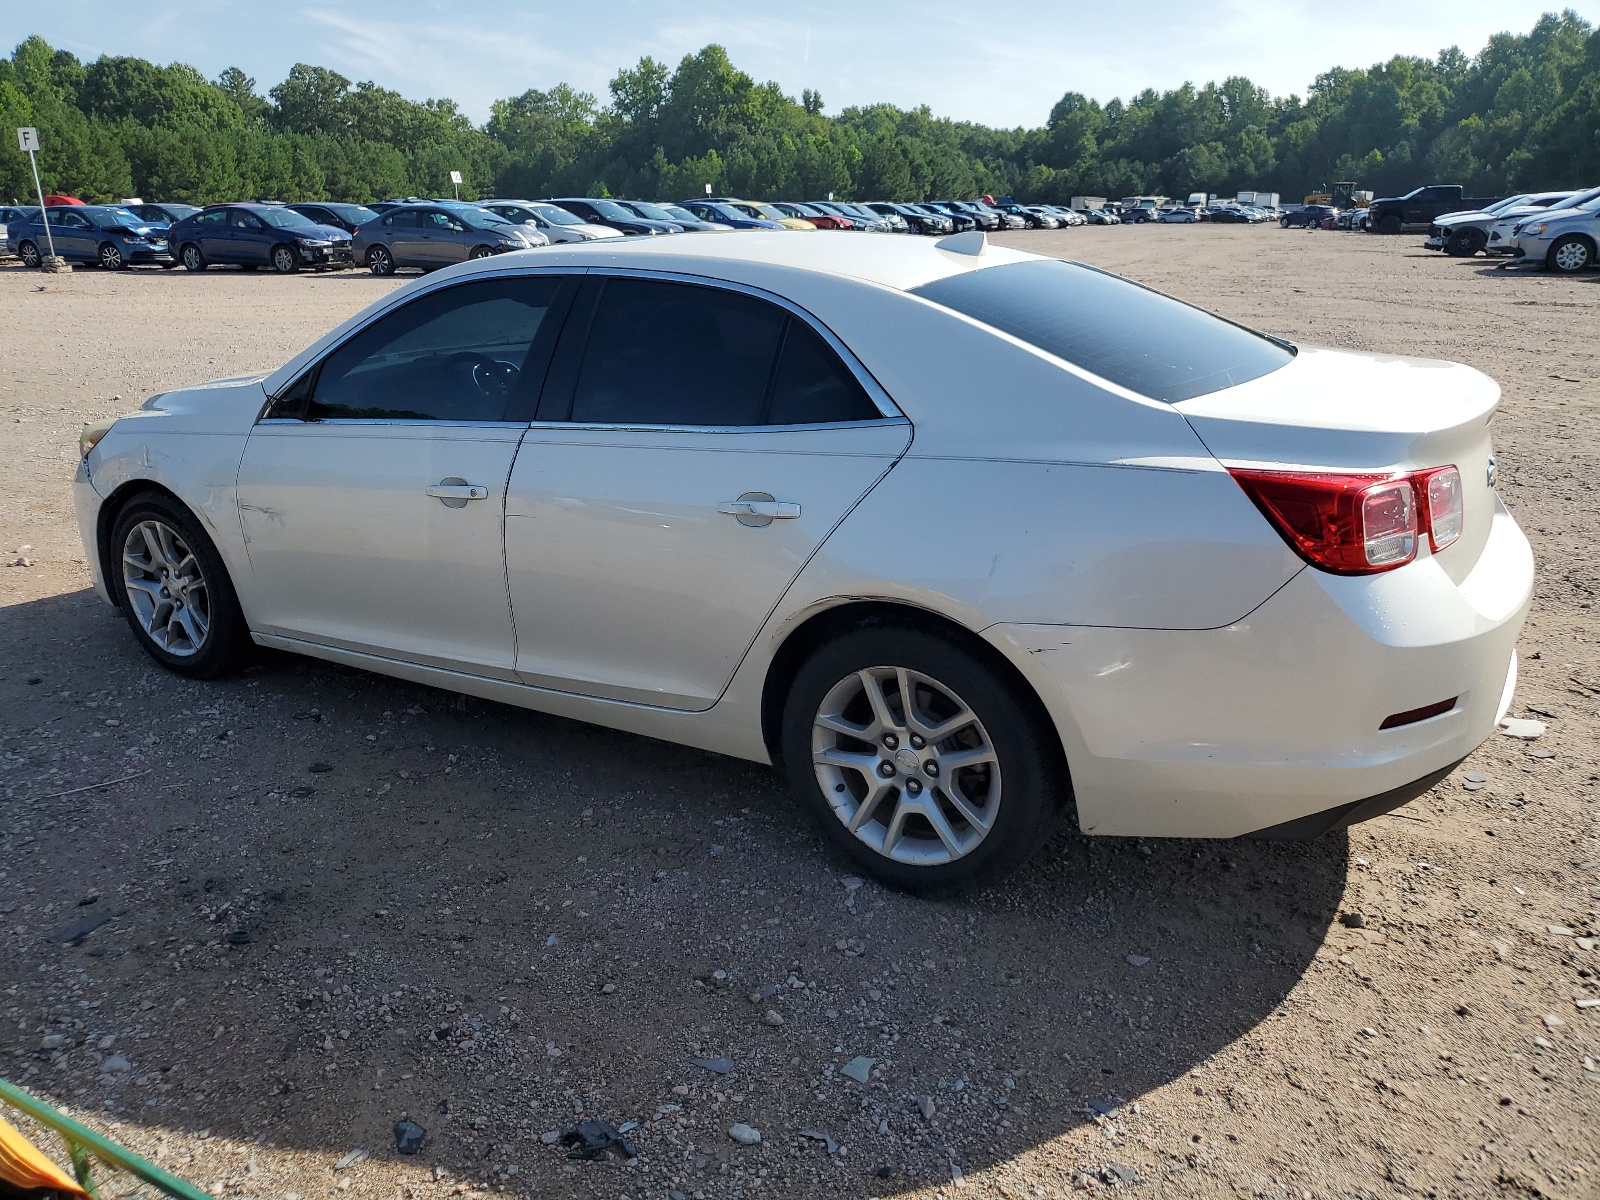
961, 537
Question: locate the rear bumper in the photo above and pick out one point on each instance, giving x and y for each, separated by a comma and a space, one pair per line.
1275, 719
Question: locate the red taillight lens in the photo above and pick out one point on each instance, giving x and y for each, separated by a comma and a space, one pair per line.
1441, 490
1347, 524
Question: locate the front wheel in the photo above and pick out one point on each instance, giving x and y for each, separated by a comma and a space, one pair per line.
1570, 254
284, 260
174, 590
191, 258
29, 254
1464, 243
380, 261
480, 252
111, 257
1390, 225
919, 760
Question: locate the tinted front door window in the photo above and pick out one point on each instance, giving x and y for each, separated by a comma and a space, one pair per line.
466, 353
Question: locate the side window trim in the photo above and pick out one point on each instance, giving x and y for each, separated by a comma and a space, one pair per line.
562, 379
291, 402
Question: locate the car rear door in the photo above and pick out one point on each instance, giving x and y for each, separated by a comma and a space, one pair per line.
372, 495
695, 445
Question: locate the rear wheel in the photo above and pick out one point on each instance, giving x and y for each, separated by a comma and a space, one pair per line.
111, 257
284, 260
380, 261
29, 254
1570, 254
1390, 224
191, 258
899, 742
174, 590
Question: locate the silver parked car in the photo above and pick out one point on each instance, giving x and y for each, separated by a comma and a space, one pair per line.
438, 234
1567, 240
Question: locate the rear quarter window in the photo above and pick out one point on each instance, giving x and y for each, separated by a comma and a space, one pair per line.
1119, 330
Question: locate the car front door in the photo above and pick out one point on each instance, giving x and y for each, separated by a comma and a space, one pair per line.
694, 447
450, 241
74, 235
372, 495
250, 239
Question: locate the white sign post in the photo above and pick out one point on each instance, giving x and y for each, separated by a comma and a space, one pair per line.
28, 143
455, 182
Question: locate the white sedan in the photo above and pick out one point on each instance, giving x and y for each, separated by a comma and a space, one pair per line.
962, 536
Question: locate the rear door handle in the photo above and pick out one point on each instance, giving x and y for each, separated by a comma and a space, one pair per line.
759, 508
454, 493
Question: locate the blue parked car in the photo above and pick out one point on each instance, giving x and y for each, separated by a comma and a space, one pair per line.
107, 234
348, 217
13, 215
258, 235
163, 214
726, 214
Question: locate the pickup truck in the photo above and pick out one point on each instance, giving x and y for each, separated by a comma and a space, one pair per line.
1420, 208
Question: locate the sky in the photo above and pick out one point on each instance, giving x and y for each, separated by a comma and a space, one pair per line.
994, 63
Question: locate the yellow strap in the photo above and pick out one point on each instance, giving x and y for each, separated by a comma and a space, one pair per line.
23, 1166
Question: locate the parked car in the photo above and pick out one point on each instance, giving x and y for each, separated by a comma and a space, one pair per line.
817, 217
1229, 216
655, 212
554, 222
13, 214
705, 564
597, 211
860, 217
258, 235
1505, 225
348, 217
106, 234
727, 214
1032, 218
162, 214
917, 220
1101, 216
684, 217
1309, 216
1464, 234
765, 212
1567, 241
960, 222
1421, 207
430, 236
1179, 216
982, 218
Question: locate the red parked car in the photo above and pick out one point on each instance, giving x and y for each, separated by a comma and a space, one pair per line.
816, 216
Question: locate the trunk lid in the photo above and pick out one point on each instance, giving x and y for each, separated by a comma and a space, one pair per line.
1340, 410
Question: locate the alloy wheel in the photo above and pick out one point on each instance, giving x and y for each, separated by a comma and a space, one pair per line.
166, 588
192, 258
29, 253
906, 765
379, 261
111, 258
283, 261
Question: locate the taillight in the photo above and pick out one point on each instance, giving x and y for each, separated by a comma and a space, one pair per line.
1445, 513
1358, 524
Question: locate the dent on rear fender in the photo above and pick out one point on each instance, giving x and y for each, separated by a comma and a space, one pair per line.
1056, 544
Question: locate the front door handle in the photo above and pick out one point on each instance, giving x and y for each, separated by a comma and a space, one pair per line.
454, 493
757, 509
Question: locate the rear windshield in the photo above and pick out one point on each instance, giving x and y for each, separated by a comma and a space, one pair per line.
1128, 334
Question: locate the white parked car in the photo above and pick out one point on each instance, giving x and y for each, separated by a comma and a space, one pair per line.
960, 535
554, 222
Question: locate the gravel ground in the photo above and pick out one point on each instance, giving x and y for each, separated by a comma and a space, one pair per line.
331, 901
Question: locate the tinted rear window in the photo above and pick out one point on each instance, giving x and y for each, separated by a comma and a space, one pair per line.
1128, 334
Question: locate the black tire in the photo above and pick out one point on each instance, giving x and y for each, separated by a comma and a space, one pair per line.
191, 258
1464, 243
480, 252
1027, 760
1390, 225
380, 261
284, 260
1570, 254
110, 257
226, 642
28, 252
1284, 222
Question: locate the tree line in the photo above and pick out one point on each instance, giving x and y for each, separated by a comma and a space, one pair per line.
1521, 114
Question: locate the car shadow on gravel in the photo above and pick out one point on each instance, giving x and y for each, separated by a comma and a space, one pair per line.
338, 898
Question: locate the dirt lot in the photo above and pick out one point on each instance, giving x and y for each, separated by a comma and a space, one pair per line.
498, 923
